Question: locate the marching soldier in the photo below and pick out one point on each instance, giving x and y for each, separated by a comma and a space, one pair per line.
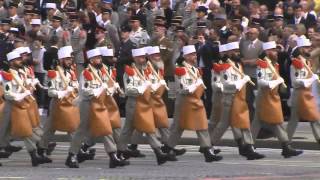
189, 109
303, 104
235, 110
96, 122
16, 119
139, 115
31, 82
159, 86
268, 104
166, 52
113, 88
64, 115
217, 103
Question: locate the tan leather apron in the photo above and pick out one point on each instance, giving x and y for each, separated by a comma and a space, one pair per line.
99, 122
192, 113
143, 115
159, 108
65, 116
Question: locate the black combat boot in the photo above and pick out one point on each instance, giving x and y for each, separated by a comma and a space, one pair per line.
72, 161
51, 147
83, 156
215, 150
209, 155
5, 154
161, 157
116, 161
35, 159
135, 152
92, 152
178, 152
41, 154
251, 154
11, 149
241, 147
288, 151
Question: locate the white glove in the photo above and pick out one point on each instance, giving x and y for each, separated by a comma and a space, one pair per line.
28, 81
142, 88
162, 82
315, 77
199, 82
111, 91
20, 96
155, 86
246, 78
148, 83
116, 85
35, 82
275, 83
70, 89
97, 92
104, 86
62, 94
192, 88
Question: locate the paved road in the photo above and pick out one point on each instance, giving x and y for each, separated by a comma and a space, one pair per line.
189, 166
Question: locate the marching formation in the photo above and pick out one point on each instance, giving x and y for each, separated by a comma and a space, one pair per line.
86, 109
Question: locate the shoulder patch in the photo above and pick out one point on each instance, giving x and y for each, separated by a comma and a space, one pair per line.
6, 76
73, 76
180, 71
216, 67
297, 64
87, 75
129, 70
52, 74
262, 64
225, 66
161, 72
114, 73
200, 71
147, 71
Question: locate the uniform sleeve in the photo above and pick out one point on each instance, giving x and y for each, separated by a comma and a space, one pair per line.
129, 85
85, 88
182, 84
296, 82
8, 91
261, 78
216, 80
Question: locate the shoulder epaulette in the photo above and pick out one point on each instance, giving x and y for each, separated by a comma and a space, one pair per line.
180, 71
262, 64
297, 64
6, 76
87, 75
129, 70
114, 73
216, 67
225, 66
52, 74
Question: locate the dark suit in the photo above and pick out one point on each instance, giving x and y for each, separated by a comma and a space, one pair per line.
143, 18
50, 58
208, 54
310, 21
124, 56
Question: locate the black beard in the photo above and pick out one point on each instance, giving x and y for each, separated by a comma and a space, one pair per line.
236, 58
224, 58
66, 67
98, 66
307, 55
